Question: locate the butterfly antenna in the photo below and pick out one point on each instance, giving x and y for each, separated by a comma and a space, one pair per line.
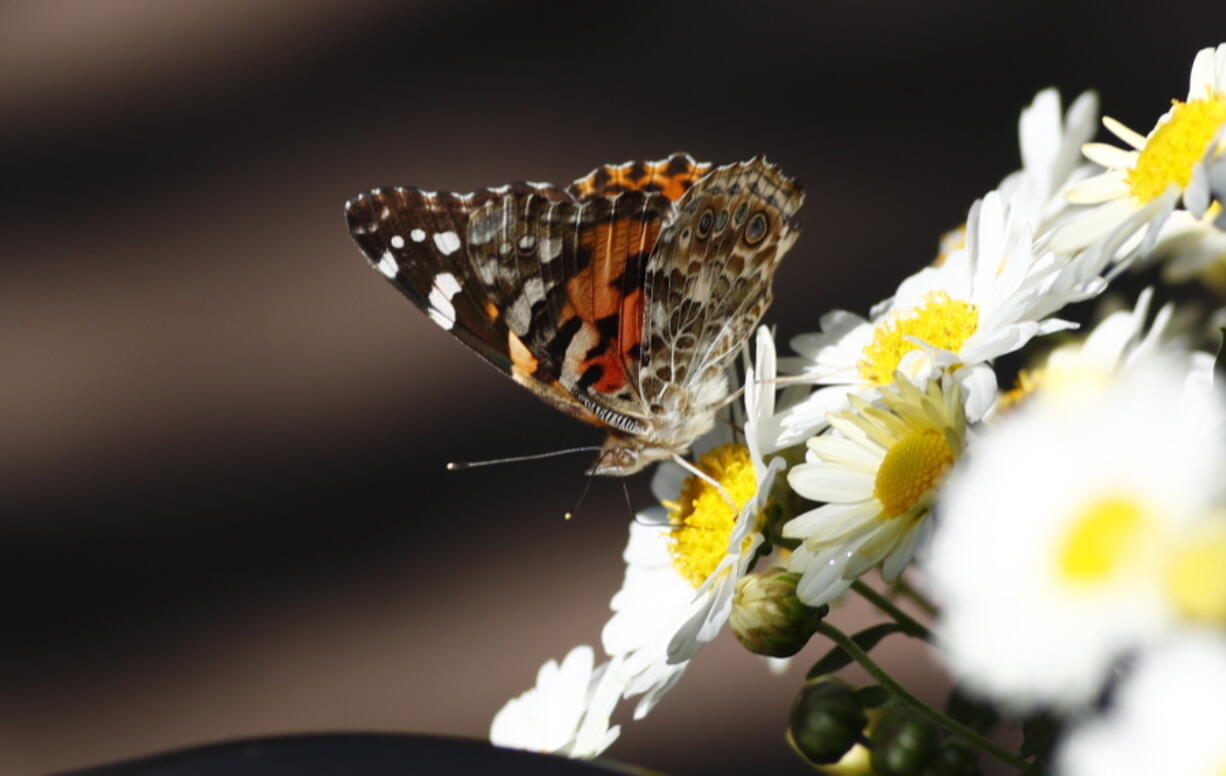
459, 466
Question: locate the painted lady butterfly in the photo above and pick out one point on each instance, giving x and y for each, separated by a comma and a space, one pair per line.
620, 299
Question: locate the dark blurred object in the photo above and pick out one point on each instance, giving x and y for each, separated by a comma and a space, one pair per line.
368, 755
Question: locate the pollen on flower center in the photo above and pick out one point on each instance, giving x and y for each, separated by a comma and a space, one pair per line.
913, 466
1101, 538
940, 322
702, 519
1175, 146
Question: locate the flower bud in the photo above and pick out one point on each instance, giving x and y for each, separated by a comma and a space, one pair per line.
953, 760
768, 618
826, 721
903, 743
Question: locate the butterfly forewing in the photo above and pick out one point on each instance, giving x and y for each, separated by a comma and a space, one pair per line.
671, 176
570, 277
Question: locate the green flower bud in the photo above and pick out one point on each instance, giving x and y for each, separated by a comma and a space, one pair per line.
903, 743
826, 721
953, 760
768, 618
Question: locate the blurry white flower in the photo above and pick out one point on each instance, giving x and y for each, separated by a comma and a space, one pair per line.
684, 558
1141, 187
877, 471
568, 710
1167, 717
1058, 533
1118, 339
1193, 247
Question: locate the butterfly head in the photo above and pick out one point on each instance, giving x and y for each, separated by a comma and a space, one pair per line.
623, 454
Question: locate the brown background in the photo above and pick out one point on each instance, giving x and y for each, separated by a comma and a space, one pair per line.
223, 510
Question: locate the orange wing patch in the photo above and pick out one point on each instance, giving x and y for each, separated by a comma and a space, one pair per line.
671, 176
608, 297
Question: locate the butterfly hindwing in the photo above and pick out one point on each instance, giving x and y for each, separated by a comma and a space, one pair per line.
708, 283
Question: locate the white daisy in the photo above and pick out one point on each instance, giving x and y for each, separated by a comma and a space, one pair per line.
1051, 158
1167, 717
987, 299
684, 558
568, 710
877, 474
989, 292
1056, 535
1141, 187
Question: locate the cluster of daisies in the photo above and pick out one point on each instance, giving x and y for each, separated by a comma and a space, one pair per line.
1068, 521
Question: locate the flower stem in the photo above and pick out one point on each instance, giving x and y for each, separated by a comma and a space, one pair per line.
904, 588
948, 723
910, 625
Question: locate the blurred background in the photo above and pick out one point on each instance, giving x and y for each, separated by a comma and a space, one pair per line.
223, 508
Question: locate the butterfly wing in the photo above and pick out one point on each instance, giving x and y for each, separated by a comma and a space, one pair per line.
418, 240
569, 276
671, 176
708, 282
546, 289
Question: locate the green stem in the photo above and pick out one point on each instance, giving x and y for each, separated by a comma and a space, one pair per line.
904, 588
910, 625
952, 725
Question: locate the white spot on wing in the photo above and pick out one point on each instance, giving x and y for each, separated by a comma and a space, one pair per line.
397, 241
440, 319
447, 283
551, 248
441, 310
387, 265
534, 289
385, 213
417, 235
447, 242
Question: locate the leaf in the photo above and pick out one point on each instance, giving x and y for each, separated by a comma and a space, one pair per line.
866, 639
874, 696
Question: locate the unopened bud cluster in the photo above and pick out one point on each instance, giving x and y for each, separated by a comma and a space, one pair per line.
767, 617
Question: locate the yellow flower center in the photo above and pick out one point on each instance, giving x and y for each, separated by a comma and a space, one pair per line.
1102, 538
1176, 145
702, 520
913, 466
941, 322
1196, 579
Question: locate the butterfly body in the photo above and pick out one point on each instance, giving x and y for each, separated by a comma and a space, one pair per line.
620, 300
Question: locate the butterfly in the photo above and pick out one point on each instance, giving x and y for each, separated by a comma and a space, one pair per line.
620, 299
